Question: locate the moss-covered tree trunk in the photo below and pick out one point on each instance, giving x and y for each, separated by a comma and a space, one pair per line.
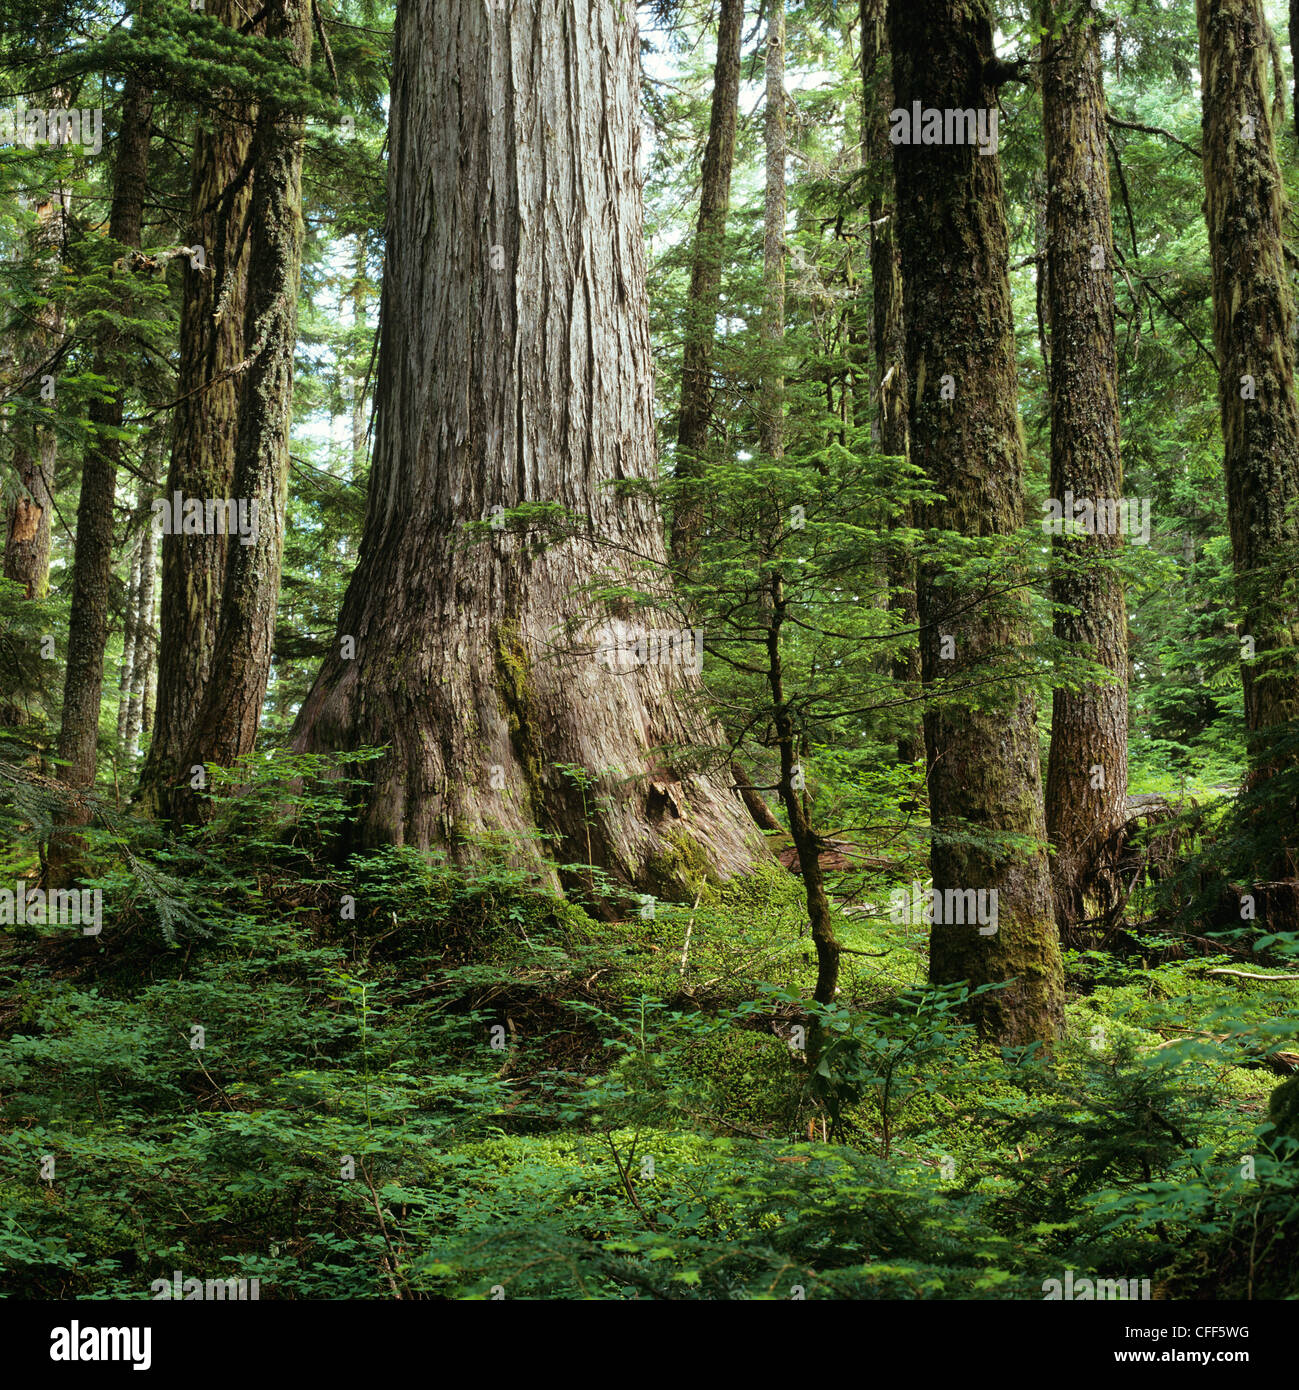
888, 335
228, 718
205, 427
92, 568
515, 368
1253, 330
1087, 773
706, 276
982, 760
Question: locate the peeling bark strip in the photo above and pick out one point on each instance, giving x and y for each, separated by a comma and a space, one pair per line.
706, 274
515, 367
983, 771
1089, 726
27, 545
228, 718
1253, 331
206, 426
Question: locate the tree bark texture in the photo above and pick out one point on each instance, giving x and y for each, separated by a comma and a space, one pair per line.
1253, 331
1087, 773
230, 712
888, 334
983, 772
206, 428
772, 423
515, 368
93, 559
706, 275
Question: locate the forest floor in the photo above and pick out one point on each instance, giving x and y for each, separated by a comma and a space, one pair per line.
473, 1085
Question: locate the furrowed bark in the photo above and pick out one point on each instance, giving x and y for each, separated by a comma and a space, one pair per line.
206, 430
93, 560
888, 334
983, 773
1087, 779
228, 717
515, 368
1253, 330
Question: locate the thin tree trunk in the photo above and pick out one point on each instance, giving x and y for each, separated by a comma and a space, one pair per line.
805, 841
888, 335
150, 672
232, 703
359, 425
145, 634
1253, 331
515, 368
206, 430
773, 445
140, 717
753, 800
706, 277
129, 609
1294, 61
1087, 779
772, 419
984, 778
93, 560
33, 444
35, 451
27, 547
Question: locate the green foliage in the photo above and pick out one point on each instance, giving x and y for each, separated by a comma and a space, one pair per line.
467, 1083
402, 1073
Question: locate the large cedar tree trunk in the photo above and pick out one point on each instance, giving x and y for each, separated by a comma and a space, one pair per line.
706, 275
205, 428
984, 778
515, 368
1087, 775
1253, 330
